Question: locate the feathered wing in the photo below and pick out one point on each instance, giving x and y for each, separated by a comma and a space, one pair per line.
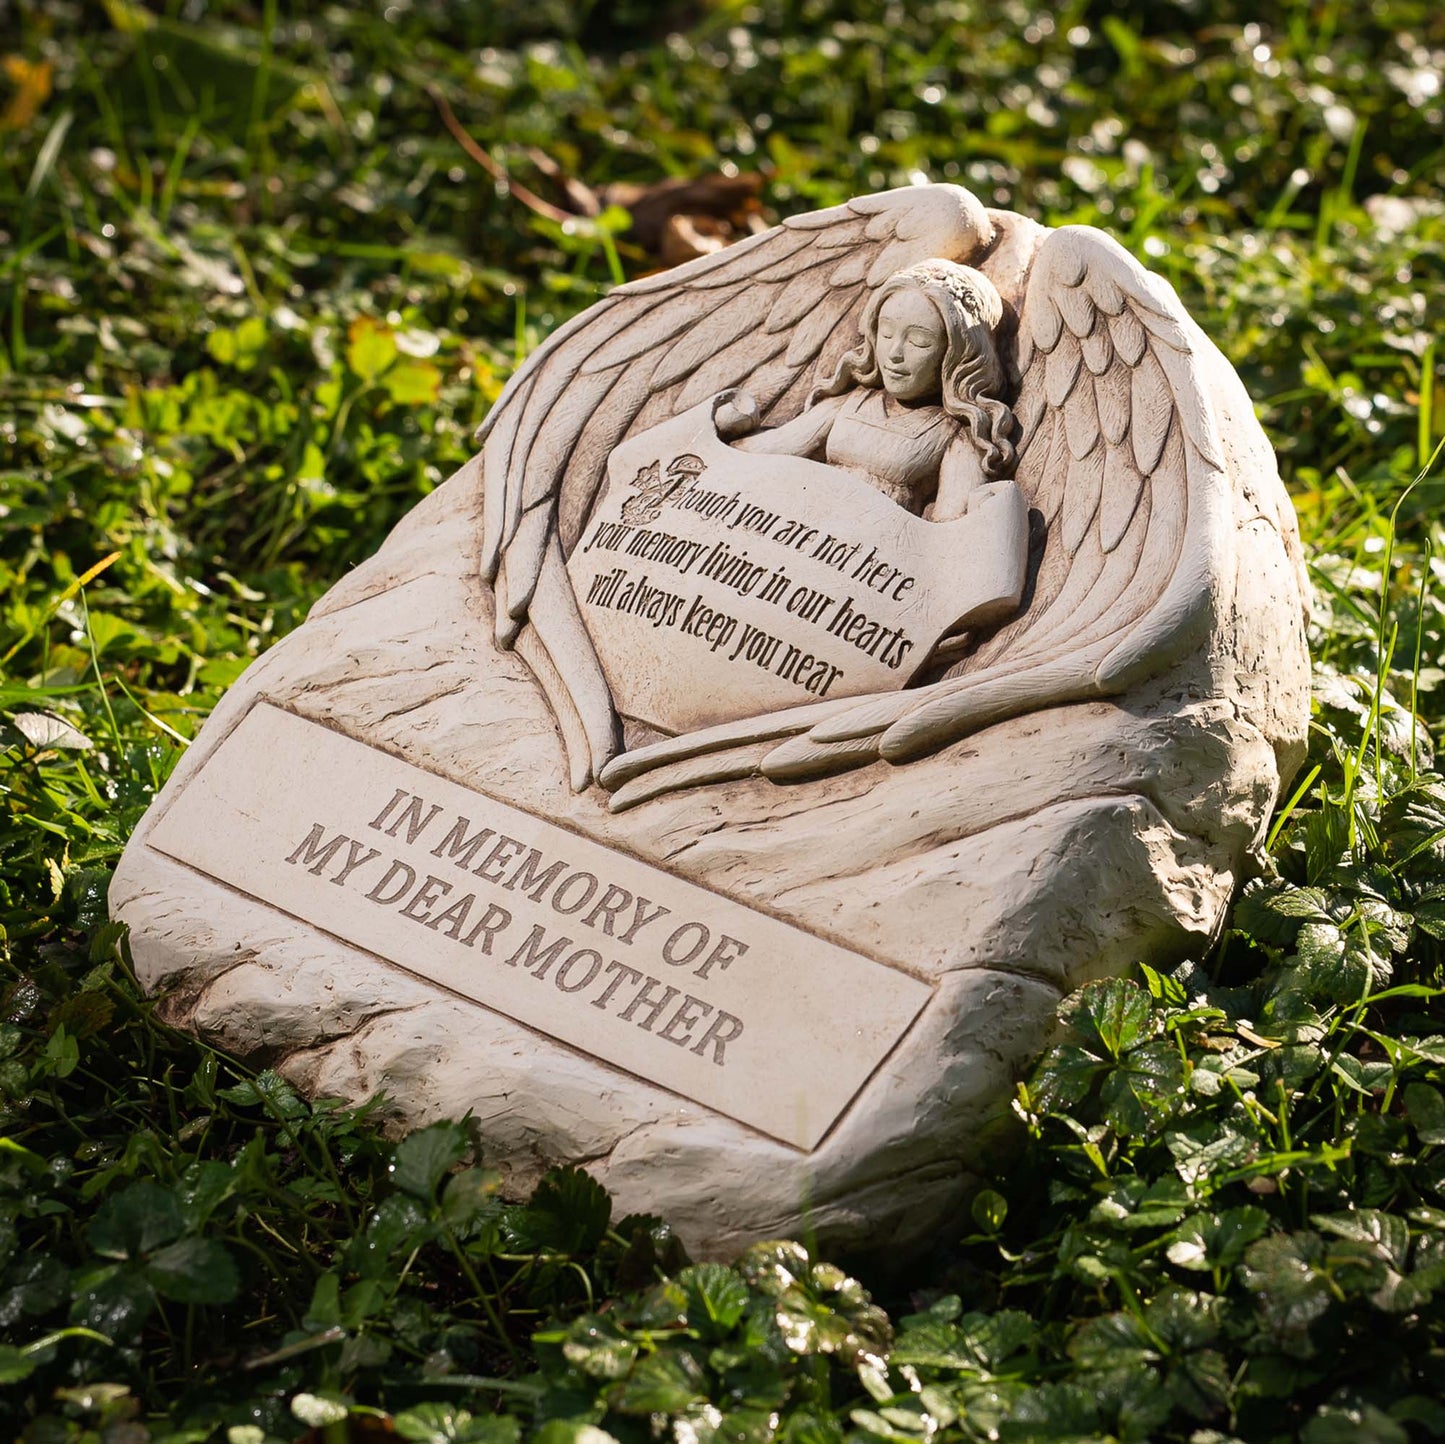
773, 313
1120, 454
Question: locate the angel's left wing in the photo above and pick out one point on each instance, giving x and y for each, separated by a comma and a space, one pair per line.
1119, 451
773, 313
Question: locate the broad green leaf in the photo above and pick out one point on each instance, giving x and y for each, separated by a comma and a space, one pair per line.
469, 1194
62, 1053
324, 1311
989, 1210
413, 383
596, 1346
370, 347
1066, 1075
1425, 1108
399, 1223
976, 1343
1272, 912
363, 1300
15, 1364
131, 1223
269, 1090
423, 1158
809, 1426
1285, 1272
568, 1213
37, 1285
829, 1313
1201, 1383
1182, 1319
1112, 1341
116, 1304
716, 1298
195, 1271
666, 1382
1361, 1077
448, 1424
202, 1189
1320, 951
1144, 1089
1198, 1160
1363, 1424
1216, 1240
1384, 1234
1110, 1016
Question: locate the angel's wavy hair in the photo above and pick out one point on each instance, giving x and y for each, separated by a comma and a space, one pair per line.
971, 377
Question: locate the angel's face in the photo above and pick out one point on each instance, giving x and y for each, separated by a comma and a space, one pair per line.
910, 345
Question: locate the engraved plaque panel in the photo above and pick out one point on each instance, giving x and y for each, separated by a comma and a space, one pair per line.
723, 1004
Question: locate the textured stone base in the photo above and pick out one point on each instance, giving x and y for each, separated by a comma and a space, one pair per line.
1006, 869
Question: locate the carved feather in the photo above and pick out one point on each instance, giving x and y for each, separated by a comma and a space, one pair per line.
1097, 348
1081, 420
1111, 395
601, 432
794, 301
1043, 325
648, 327
803, 258
721, 370
852, 270
1031, 409
814, 329
557, 436
1130, 339
1061, 370
726, 267
1123, 485
1077, 308
1151, 413
1086, 480
709, 336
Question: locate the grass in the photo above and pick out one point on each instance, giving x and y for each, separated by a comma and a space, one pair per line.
254, 299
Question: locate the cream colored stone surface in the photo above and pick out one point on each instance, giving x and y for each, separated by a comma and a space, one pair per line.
1082, 791
719, 1003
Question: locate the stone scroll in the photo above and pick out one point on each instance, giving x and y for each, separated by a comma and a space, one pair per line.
717, 584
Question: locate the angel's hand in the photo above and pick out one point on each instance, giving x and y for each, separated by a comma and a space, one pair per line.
735, 414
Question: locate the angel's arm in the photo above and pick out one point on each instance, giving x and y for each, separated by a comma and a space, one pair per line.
960, 477
804, 435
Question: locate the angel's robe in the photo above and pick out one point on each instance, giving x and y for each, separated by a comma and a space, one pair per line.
906, 452
897, 448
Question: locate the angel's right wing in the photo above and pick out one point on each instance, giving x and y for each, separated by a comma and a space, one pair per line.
773, 313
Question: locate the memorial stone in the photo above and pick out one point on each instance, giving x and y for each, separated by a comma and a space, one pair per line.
841, 646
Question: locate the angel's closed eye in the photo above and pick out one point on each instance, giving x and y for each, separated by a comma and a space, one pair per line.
918, 336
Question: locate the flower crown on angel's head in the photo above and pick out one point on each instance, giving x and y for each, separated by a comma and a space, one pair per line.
973, 292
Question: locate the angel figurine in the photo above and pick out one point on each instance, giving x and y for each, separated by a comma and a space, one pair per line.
969, 318
916, 408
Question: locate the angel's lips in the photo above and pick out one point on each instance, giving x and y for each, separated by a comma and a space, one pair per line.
905, 384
